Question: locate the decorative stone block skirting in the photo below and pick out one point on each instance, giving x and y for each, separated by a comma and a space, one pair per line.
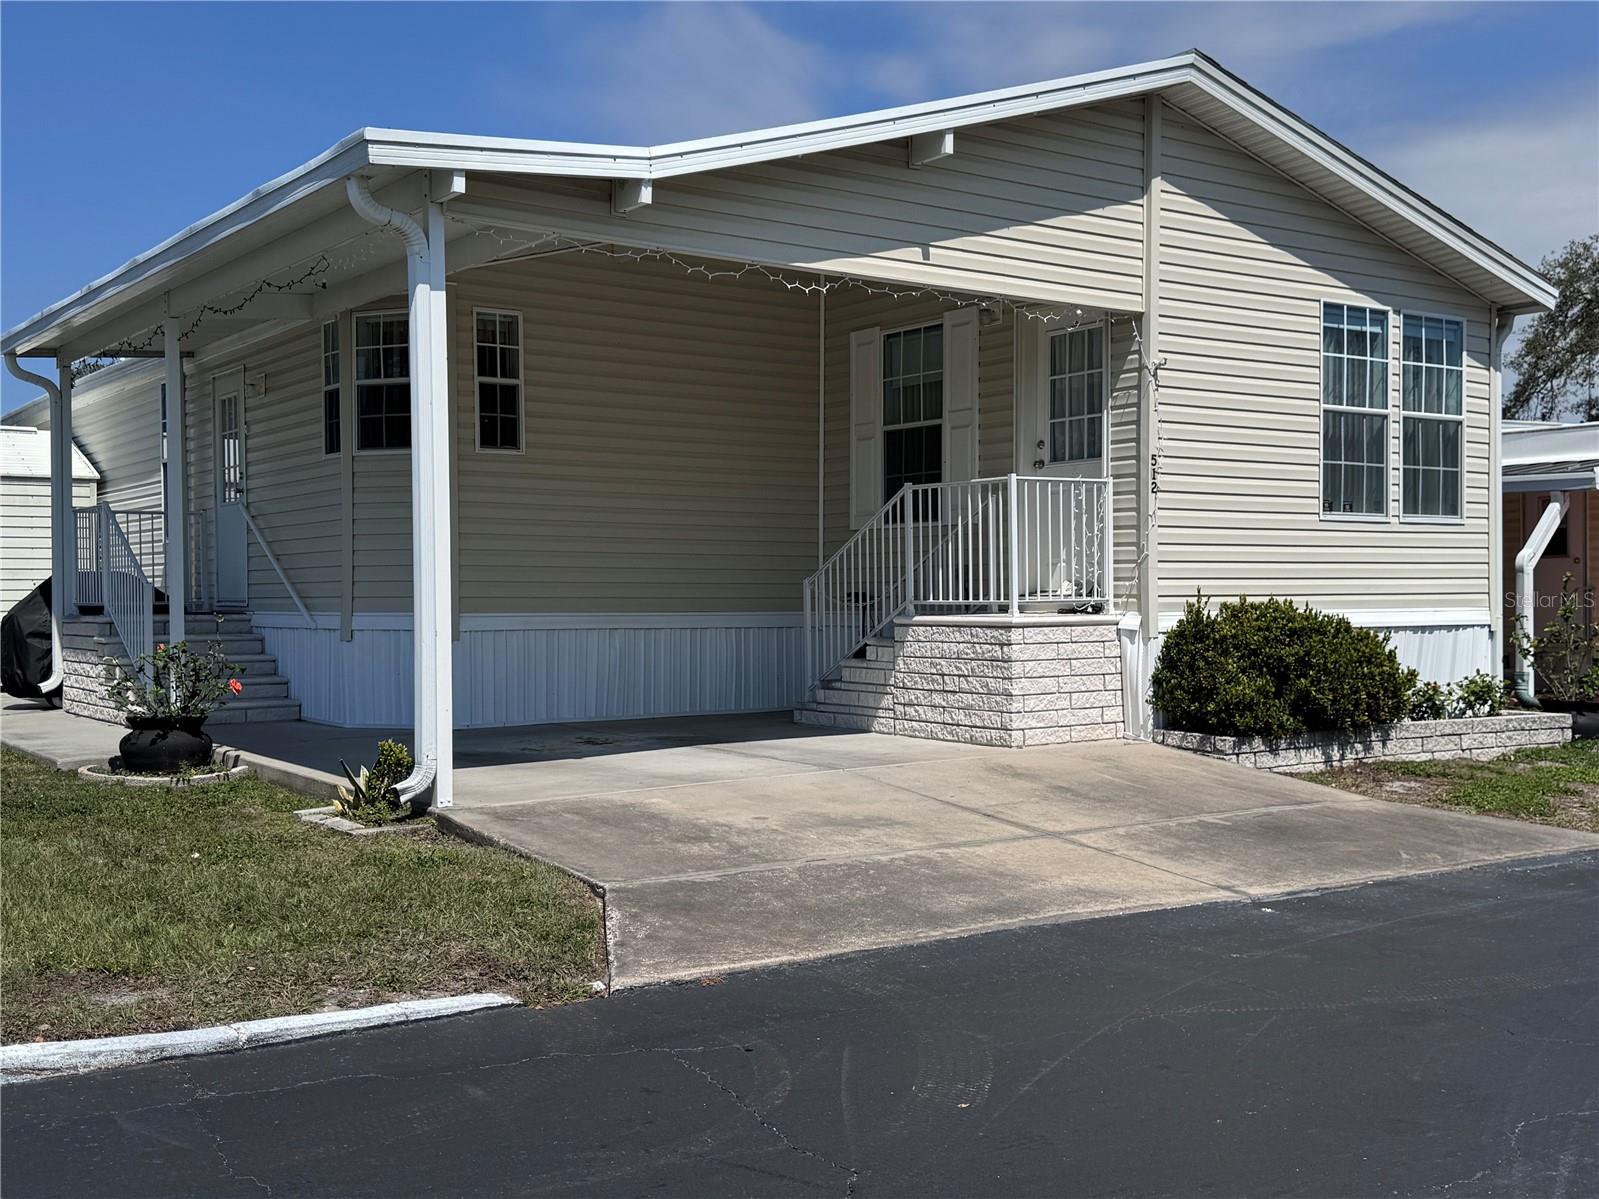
994, 681
1411, 740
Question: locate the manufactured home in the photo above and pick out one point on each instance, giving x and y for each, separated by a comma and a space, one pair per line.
25, 553
927, 420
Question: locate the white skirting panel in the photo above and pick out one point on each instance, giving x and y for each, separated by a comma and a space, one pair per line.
536, 669
1444, 653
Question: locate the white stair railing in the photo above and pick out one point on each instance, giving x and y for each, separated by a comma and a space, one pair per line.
88, 558
128, 594
984, 546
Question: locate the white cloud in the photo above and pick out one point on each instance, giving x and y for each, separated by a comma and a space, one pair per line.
1528, 177
678, 71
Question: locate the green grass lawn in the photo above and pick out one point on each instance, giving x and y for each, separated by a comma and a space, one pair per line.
1558, 786
128, 909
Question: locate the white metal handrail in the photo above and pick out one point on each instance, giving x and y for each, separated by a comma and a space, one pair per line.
127, 592
201, 596
283, 577
984, 546
87, 559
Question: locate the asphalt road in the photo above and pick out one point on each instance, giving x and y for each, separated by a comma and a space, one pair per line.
1432, 1036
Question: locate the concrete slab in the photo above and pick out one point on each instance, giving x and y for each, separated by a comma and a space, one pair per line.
753, 918
49, 734
1268, 852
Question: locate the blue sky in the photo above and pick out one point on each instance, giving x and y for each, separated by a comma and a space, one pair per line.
121, 123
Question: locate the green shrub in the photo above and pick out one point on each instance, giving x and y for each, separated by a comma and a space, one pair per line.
1267, 668
1431, 701
1480, 694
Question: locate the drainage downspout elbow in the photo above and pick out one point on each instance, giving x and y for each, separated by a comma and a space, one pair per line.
58, 665
418, 782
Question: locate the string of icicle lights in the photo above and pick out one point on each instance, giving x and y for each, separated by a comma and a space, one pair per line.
513, 245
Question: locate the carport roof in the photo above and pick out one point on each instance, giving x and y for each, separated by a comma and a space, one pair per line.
99, 314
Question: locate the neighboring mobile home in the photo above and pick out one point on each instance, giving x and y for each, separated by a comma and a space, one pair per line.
25, 508
928, 420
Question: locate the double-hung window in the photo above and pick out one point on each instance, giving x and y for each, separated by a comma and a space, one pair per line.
498, 346
1077, 395
330, 388
1432, 387
913, 407
1354, 410
382, 381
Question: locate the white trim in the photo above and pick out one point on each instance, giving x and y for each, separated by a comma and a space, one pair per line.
409, 149
337, 386
520, 381
1390, 448
1460, 417
503, 621
355, 385
1387, 618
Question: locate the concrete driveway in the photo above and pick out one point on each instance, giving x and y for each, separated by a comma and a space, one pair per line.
727, 843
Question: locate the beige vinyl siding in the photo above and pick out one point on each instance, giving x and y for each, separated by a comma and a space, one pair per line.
670, 443
25, 533
1127, 538
1045, 207
116, 422
291, 489
1246, 260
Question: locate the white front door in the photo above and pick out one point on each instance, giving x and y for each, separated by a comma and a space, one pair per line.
232, 544
1067, 436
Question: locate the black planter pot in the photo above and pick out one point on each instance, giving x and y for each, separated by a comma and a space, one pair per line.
164, 746
1584, 715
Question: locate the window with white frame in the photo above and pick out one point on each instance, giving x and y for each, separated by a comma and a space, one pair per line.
499, 379
1431, 399
913, 407
1077, 395
1354, 410
330, 388
382, 381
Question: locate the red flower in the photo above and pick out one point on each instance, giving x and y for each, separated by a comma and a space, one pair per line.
161, 645
235, 686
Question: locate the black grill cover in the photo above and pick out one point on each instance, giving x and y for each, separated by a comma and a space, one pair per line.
25, 644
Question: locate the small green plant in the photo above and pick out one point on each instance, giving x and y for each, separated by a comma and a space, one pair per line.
1565, 652
1271, 668
373, 796
1431, 701
1479, 694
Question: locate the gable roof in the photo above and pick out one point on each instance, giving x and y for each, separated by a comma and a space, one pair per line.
1193, 82
25, 454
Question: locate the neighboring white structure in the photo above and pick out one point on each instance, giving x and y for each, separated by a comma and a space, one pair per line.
563, 431
1550, 477
25, 508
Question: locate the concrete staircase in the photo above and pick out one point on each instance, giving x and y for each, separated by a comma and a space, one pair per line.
89, 640
856, 695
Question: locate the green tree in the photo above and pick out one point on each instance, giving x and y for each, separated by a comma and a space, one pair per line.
1557, 363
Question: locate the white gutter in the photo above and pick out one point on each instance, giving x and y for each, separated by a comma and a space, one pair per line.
1526, 562
58, 589
417, 256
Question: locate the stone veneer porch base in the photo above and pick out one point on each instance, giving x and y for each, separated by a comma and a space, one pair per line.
1411, 740
984, 680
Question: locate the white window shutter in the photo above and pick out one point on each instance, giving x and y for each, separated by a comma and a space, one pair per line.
865, 425
960, 395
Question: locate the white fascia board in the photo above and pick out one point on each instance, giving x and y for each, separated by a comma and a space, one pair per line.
332, 165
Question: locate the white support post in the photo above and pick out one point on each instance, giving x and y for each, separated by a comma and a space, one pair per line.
1013, 548
176, 555
63, 520
63, 527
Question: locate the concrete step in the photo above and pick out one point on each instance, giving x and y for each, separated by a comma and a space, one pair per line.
857, 703
880, 651
833, 719
261, 686
198, 624
853, 695
871, 673
244, 709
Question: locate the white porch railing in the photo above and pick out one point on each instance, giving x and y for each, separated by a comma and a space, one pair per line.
144, 529
987, 546
126, 590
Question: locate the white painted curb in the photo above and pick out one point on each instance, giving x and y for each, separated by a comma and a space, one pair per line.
38, 1059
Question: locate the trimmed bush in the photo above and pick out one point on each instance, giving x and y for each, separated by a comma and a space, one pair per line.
1268, 668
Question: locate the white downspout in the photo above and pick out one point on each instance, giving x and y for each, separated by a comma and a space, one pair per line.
1526, 562
431, 633
60, 535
